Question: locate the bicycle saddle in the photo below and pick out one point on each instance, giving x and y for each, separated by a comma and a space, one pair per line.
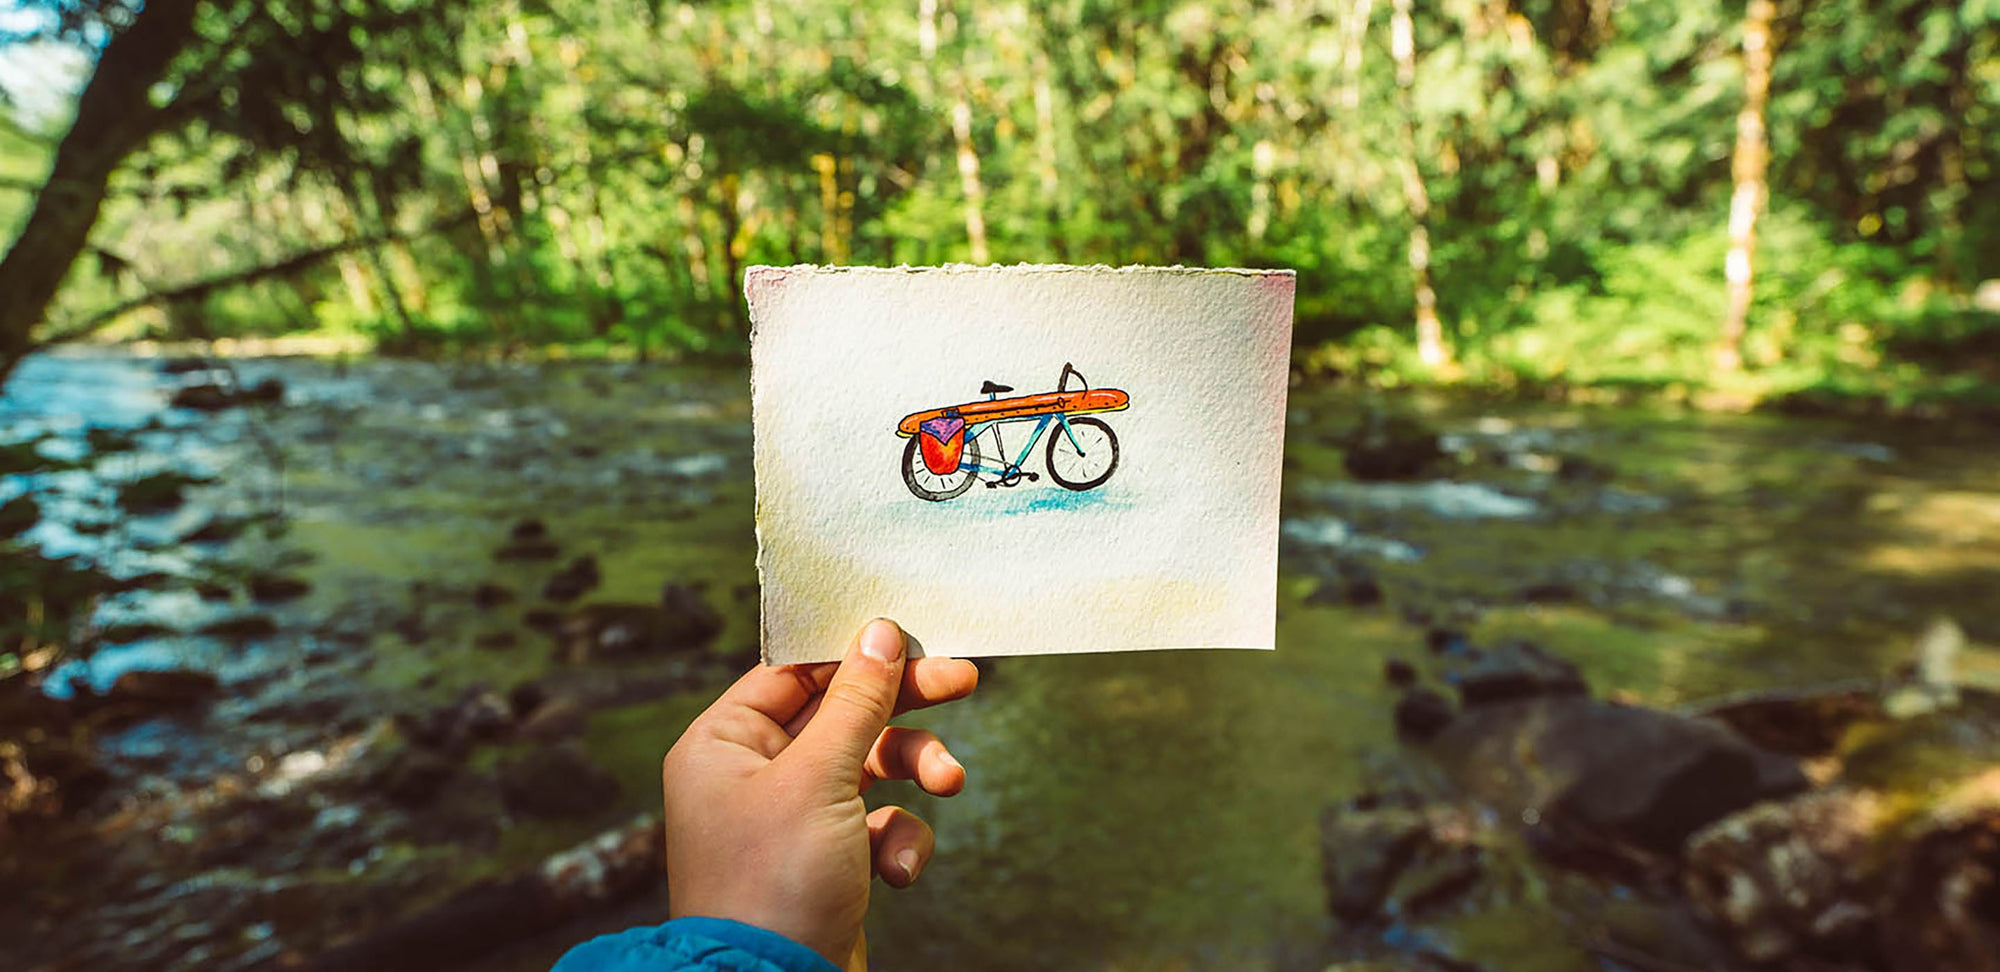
994, 388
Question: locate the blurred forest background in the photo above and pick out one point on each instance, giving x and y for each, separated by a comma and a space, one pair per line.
1771, 198
364, 658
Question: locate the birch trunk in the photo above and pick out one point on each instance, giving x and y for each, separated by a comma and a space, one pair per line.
968, 175
1751, 160
1430, 331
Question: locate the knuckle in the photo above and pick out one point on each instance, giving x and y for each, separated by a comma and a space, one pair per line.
856, 696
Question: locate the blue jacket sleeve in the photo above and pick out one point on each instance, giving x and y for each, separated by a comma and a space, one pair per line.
693, 945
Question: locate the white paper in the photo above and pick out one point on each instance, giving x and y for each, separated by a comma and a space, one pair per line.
1175, 548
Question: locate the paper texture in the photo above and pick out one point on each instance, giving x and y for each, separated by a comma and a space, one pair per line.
895, 478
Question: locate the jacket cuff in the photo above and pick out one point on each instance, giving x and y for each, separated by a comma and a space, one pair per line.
763, 943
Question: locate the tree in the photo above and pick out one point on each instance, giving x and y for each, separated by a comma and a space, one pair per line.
114, 117
1430, 331
1747, 166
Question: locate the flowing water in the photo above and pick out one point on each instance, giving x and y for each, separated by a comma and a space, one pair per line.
1150, 811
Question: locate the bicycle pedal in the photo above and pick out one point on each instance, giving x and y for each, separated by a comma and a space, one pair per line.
1034, 477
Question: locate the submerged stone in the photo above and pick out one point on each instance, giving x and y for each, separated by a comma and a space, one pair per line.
162, 689
19, 515
1386, 445
265, 588
556, 781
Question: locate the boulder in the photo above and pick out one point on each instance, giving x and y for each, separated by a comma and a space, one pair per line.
493, 913
186, 365
477, 716
266, 588
1943, 906
1794, 877
682, 622
217, 530
202, 397
1607, 774
156, 493
1515, 670
1899, 882
1364, 847
689, 603
214, 591
1399, 673
558, 718
548, 621
556, 781
45, 775
1422, 714
209, 396
19, 515
491, 595
241, 627
163, 689
576, 579
1391, 445
127, 632
267, 391
1807, 723
415, 777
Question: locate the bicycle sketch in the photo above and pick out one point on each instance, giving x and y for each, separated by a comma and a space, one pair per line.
945, 456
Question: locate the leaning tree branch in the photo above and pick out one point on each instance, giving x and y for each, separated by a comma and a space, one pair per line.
237, 278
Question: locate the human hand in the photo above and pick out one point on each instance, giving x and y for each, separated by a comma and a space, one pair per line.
764, 819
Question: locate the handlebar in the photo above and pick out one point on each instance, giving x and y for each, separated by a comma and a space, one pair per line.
1062, 383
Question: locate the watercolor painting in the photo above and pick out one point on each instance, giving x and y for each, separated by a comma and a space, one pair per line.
944, 458
1018, 460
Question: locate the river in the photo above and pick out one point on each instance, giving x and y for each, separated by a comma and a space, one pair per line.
1145, 811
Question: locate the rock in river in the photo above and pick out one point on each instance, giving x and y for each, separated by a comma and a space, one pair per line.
266, 588
682, 622
156, 493
241, 627
580, 577
1515, 670
163, 689
1611, 774
556, 781
18, 515
1391, 446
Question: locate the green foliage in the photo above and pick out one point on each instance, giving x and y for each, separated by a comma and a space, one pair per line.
542, 172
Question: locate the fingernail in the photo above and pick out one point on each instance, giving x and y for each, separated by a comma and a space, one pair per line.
907, 860
952, 761
882, 640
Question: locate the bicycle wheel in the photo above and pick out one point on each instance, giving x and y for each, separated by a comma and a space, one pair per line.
1087, 462
927, 485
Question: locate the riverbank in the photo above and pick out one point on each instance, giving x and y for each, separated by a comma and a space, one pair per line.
478, 572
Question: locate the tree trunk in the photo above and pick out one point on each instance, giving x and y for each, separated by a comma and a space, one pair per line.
968, 175
1350, 55
1430, 331
1752, 158
114, 118
1046, 154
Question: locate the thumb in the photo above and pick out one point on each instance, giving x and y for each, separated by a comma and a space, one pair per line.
859, 700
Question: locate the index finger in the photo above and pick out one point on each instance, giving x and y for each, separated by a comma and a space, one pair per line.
778, 694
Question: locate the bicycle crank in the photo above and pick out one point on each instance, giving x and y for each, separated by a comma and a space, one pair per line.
1012, 477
